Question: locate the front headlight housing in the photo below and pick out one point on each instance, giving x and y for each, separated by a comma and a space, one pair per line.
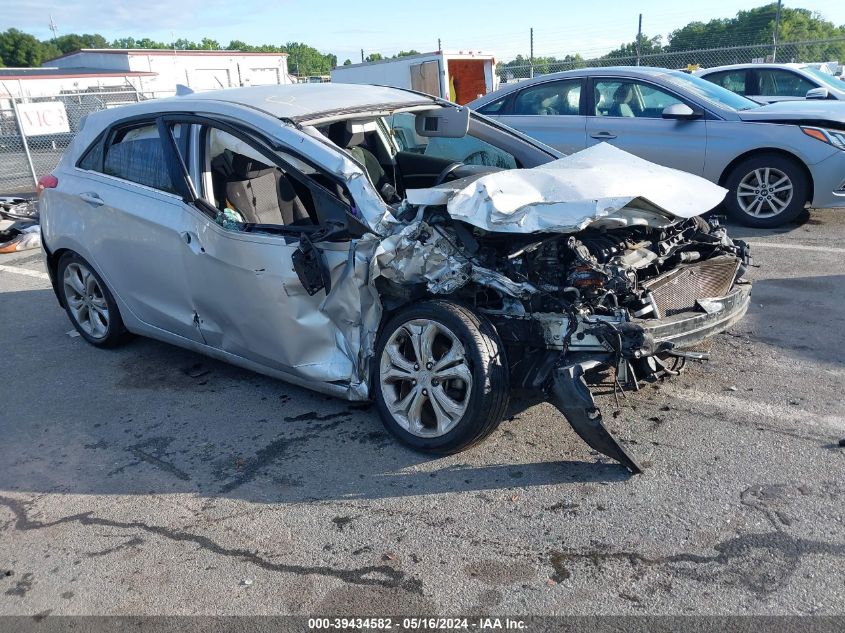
826, 135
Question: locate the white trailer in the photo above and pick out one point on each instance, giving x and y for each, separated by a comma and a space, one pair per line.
459, 77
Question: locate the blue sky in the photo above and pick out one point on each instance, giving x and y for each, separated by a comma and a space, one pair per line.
343, 28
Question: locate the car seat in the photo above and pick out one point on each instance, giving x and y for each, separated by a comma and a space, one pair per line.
260, 193
621, 98
340, 134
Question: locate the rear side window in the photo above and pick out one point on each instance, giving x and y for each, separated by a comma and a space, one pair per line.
733, 80
782, 83
136, 154
552, 98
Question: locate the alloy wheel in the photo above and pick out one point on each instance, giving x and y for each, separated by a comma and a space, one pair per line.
425, 378
764, 192
86, 300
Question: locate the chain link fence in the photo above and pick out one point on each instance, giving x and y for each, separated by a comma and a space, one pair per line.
27, 153
810, 51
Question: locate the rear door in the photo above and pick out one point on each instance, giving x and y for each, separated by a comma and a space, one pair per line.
627, 113
552, 112
133, 216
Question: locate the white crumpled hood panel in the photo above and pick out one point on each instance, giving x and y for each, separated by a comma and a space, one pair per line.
601, 186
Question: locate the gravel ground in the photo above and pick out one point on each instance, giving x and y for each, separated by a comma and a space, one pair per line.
149, 480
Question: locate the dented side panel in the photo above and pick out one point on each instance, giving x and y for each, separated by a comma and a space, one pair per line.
249, 302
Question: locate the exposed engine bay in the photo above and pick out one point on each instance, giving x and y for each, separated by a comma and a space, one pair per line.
598, 260
567, 303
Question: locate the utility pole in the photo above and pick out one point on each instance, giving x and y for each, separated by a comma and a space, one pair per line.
531, 57
639, 39
362, 55
775, 34
53, 28
439, 48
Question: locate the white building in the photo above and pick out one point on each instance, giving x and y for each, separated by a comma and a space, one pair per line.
147, 71
199, 70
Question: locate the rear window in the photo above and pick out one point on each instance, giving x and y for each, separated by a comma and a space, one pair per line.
136, 154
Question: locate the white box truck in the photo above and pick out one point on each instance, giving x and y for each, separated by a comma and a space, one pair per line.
459, 77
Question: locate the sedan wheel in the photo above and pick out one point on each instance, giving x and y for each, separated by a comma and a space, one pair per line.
766, 190
440, 380
88, 302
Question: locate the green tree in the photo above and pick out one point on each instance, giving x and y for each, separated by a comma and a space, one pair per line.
648, 46
73, 42
124, 42
756, 27
374, 57
22, 49
207, 44
347, 62
407, 53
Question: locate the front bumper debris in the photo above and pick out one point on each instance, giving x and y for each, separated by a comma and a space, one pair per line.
570, 394
567, 390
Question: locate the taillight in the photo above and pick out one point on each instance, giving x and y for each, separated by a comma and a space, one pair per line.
48, 181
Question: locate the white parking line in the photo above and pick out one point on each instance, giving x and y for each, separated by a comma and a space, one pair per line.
742, 408
23, 271
797, 247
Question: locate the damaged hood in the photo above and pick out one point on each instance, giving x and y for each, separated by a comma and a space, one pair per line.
602, 187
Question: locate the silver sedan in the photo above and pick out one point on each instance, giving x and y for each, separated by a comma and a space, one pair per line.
773, 159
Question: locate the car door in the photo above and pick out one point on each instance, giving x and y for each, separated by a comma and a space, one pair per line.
551, 111
627, 113
243, 286
132, 215
776, 84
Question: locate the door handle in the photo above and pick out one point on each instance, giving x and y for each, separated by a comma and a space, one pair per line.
92, 198
603, 135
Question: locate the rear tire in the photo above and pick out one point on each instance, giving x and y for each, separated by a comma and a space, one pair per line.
89, 305
440, 378
766, 190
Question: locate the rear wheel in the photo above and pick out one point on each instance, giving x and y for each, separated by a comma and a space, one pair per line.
88, 302
441, 381
766, 190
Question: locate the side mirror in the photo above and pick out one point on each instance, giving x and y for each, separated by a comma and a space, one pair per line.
816, 93
680, 111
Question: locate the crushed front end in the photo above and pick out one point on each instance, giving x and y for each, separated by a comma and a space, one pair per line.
597, 260
634, 300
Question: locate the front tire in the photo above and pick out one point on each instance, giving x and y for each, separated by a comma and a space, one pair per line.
766, 190
441, 381
88, 302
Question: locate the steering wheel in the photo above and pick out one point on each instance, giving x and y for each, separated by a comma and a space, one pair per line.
447, 171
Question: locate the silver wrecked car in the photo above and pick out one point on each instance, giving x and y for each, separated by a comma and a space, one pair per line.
378, 244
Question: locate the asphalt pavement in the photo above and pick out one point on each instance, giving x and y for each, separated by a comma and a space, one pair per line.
150, 480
